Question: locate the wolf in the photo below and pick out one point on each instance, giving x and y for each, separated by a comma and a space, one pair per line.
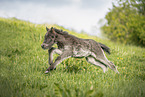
72, 46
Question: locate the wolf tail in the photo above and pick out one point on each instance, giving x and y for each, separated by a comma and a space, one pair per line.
105, 48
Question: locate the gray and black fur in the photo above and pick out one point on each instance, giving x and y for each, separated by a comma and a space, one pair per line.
71, 46
105, 48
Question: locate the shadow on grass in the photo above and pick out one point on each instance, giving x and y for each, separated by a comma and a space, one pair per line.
74, 69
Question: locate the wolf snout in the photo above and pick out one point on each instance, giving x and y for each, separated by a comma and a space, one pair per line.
42, 45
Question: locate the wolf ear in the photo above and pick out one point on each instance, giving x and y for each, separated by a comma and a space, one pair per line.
52, 29
47, 29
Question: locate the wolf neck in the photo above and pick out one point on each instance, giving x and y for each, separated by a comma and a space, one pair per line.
61, 41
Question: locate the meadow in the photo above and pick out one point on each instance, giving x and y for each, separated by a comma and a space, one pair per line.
23, 63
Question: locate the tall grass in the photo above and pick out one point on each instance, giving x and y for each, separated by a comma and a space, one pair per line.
23, 63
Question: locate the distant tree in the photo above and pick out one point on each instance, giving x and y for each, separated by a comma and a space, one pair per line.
126, 22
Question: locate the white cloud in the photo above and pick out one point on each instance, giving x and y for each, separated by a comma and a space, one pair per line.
70, 14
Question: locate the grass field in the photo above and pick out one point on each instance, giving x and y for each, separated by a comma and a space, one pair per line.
23, 63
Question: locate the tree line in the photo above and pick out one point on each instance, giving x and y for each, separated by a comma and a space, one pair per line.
126, 22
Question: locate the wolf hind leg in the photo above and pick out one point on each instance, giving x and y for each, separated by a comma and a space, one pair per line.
108, 64
113, 67
102, 59
100, 56
96, 63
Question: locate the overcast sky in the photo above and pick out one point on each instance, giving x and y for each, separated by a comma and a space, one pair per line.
73, 14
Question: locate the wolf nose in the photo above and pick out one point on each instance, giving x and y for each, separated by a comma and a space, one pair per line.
42, 46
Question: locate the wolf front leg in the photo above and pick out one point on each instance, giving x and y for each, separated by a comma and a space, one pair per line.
58, 60
51, 52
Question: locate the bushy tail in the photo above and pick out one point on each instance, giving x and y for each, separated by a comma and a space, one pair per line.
105, 48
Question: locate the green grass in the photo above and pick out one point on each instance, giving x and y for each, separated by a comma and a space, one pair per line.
23, 63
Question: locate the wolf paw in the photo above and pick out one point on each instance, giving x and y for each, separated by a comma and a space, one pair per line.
48, 70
